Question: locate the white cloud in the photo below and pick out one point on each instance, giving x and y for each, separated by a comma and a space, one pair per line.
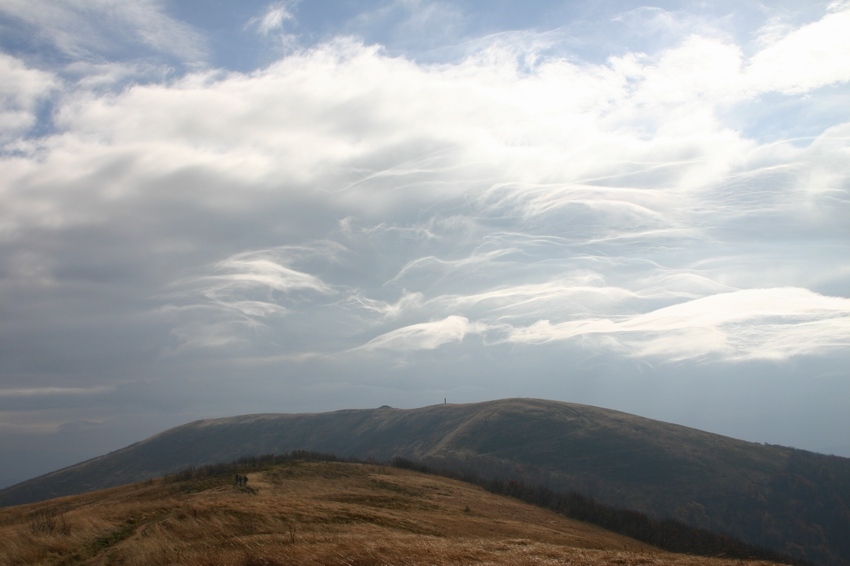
574, 297
506, 188
81, 28
274, 18
424, 336
21, 90
806, 58
698, 69
751, 324
247, 271
466, 183
345, 117
387, 310
21, 392
247, 291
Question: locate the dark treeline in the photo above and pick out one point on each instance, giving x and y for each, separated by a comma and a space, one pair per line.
251, 463
666, 534
814, 491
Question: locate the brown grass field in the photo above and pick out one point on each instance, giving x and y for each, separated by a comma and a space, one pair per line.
316, 513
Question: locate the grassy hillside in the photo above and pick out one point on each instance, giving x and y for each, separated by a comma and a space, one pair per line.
795, 502
310, 513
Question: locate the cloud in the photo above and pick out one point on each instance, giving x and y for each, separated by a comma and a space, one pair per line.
92, 28
423, 336
773, 324
411, 26
805, 58
388, 311
21, 91
481, 189
252, 270
575, 297
274, 17
53, 391
208, 333
247, 289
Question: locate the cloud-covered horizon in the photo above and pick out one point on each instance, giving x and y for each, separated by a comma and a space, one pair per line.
368, 207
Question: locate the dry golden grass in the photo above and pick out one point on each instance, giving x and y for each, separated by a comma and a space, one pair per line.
313, 513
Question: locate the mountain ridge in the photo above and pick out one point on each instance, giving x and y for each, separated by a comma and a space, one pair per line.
749, 490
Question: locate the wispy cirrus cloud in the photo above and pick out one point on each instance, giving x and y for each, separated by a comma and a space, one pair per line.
91, 28
53, 391
773, 324
274, 18
243, 291
423, 336
252, 270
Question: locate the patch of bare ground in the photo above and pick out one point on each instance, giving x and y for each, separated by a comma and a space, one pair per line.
314, 513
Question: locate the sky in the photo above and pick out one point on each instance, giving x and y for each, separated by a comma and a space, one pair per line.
212, 208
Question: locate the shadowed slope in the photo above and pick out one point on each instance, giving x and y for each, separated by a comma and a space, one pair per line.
584, 443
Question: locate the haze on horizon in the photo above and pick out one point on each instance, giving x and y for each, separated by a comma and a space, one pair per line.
212, 208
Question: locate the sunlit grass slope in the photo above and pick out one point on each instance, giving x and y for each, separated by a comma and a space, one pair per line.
310, 513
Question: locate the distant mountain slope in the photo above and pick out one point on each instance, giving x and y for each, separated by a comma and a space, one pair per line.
793, 501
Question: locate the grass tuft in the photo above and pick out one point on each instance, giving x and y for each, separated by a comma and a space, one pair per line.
49, 522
